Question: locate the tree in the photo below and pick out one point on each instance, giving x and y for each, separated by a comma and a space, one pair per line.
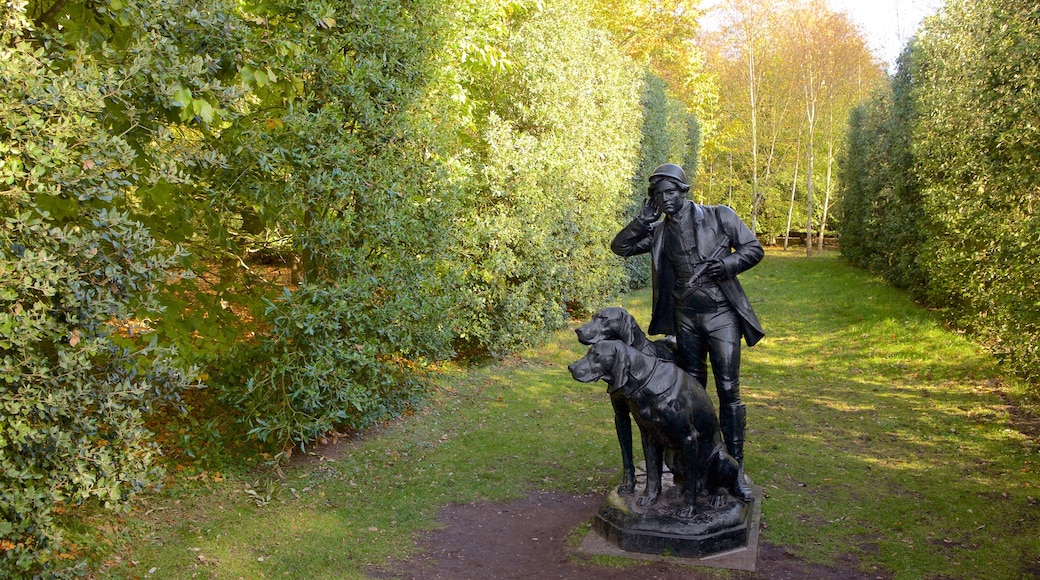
746, 26
815, 70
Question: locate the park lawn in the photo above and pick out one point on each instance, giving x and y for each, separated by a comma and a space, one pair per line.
878, 435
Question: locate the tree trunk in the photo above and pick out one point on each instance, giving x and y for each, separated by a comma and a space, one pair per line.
754, 172
827, 196
729, 190
794, 188
809, 200
810, 109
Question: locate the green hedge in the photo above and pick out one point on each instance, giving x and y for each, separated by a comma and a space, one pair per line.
945, 202
79, 281
439, 180
551, 138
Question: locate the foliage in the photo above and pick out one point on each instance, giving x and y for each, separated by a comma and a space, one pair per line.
78, 377
170, 86
777, 63
342, 170
661, 33
881, 202
978, 145
550, 145
79, 279
316, 371
953, 206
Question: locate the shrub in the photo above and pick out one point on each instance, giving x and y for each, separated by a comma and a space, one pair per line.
78, 378
78, 283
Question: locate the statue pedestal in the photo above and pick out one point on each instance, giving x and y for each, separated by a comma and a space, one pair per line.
657, 529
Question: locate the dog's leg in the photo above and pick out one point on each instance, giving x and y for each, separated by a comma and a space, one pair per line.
654, 454
623, 427
691, 479
726, 475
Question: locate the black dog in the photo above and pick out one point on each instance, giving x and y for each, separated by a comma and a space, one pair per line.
614, 323
672, 412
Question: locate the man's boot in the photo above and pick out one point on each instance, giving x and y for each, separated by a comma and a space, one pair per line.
733, 419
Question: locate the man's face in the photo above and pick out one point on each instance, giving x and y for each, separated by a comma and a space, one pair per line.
668, 196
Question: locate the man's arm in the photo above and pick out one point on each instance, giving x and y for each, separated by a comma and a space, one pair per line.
637, 237
747, 251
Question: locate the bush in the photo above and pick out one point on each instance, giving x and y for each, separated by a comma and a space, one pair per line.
558, 132
346, 171
944, 176
78, 282
77, 376
318, 370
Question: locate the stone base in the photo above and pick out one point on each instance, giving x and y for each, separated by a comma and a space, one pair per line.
658, 530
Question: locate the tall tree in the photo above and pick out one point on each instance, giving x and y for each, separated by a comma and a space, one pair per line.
746, 26
805, 61
814, 85
845, 64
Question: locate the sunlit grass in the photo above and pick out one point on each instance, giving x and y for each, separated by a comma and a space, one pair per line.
877, 434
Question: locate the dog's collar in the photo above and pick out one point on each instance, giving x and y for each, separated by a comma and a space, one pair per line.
649, 378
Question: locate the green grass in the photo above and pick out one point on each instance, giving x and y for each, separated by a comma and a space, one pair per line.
877, 434
880, 434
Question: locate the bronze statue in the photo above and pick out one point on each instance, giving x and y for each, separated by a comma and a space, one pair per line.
696, 253
615, 323
673, 414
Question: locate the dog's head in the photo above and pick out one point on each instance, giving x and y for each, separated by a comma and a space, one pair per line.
607, 360
611, 323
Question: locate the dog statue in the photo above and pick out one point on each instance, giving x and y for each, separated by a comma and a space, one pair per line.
672, 412
615, 323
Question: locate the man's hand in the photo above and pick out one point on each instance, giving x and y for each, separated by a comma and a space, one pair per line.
716, 270
649, 213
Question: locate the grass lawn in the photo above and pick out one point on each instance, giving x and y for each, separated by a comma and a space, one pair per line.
876, 433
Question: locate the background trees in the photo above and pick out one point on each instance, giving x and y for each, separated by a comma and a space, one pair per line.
788, 74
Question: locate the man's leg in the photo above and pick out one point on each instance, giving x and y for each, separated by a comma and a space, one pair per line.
691, 345
723, 331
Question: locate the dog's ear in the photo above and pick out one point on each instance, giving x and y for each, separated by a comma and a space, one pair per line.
619, 370
629, 331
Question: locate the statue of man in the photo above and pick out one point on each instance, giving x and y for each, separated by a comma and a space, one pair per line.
696, 253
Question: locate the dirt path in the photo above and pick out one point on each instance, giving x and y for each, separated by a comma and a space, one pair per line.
533, 538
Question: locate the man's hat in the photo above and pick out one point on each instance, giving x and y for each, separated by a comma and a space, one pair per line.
671, 171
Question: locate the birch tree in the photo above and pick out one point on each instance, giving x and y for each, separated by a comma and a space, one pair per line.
779, 66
